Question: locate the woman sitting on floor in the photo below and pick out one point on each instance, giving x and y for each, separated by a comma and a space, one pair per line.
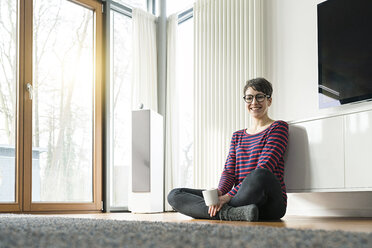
252, 182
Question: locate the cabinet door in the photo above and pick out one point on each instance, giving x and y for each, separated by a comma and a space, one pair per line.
358, 144
315, 155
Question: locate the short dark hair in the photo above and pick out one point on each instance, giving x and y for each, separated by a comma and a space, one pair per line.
259, 84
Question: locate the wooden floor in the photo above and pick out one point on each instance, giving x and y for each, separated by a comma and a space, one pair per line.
301, 222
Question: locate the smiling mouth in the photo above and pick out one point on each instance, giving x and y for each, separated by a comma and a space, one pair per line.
255, 108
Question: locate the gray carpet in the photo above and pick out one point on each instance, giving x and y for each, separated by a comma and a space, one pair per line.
36, 231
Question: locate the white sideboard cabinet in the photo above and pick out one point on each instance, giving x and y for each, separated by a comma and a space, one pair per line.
330, 154
315, 155
358, 150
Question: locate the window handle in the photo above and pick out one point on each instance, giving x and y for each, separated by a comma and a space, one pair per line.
30, 90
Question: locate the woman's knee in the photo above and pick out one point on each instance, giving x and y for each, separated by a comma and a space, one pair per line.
253, 188
257, 179
262, 172
172, 196
263, 176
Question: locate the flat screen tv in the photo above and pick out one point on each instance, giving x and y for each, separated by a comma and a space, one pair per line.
344, 52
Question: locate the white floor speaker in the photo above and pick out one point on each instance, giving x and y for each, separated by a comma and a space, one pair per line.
147, 173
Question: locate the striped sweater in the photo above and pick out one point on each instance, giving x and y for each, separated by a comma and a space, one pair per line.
250, 151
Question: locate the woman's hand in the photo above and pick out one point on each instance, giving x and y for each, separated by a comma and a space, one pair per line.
222, 199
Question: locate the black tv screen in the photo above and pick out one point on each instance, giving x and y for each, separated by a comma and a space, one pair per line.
344, 51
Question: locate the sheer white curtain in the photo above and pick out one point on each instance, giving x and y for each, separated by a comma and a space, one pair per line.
144, 87
228, 52
171, 134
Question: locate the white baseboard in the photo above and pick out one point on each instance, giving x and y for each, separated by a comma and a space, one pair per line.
332, 212
346, 204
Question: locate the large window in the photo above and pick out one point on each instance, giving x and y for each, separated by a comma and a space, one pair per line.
185, 88
120, 107
118, 85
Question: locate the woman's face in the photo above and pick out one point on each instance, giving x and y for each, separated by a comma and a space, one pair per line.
257, 109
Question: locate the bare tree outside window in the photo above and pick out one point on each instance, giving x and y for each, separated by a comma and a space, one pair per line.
185, 86
121, 78
8, 94
63, 83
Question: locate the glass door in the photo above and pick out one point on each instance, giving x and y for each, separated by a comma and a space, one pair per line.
51, 105
9, 171
62, 104
118, 85
63, 108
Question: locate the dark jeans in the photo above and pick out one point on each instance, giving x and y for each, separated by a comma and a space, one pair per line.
261, 187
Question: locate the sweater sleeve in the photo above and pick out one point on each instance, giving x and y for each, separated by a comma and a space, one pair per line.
227, 179
274, 148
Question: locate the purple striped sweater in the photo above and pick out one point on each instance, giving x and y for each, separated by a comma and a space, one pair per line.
250, 151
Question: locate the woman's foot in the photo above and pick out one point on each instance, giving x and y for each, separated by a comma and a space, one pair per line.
243, 213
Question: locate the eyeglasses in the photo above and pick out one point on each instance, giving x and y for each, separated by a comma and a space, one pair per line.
259, 98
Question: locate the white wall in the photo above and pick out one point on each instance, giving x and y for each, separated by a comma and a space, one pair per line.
291, 65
